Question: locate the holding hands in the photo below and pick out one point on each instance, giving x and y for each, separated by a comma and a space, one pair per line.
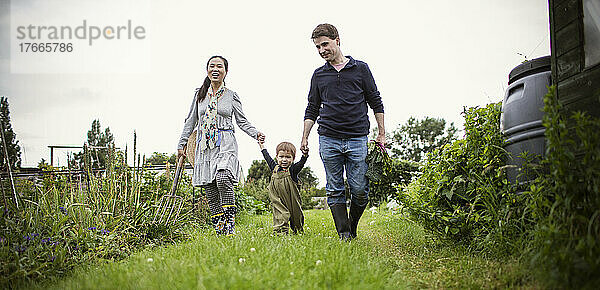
260, 137
304, 149
261, 140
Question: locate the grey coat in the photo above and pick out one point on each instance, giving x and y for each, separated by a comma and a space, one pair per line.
225, 156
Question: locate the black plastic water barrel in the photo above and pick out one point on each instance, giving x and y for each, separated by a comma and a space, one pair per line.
521, 119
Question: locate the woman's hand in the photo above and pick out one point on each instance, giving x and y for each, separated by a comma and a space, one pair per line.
260, 137
180, 153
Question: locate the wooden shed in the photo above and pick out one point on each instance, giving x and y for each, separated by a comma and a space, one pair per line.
575, 53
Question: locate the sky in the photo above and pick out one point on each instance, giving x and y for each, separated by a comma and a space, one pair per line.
428, 58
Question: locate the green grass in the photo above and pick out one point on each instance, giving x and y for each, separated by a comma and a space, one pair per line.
390, 253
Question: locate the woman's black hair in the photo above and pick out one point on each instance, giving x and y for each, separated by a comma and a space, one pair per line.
204, 88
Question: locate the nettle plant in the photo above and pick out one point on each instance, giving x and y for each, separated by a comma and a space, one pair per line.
463, 194
564, 202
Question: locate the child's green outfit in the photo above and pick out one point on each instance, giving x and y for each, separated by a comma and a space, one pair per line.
285, 196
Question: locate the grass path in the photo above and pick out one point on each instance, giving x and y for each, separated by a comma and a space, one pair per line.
390, 253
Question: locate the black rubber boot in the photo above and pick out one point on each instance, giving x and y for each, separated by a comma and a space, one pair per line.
229, 215
355, 214
340, 218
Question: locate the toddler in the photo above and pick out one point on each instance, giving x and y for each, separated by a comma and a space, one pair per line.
283, 189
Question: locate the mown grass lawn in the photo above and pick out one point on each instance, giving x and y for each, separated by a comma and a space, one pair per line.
390, 253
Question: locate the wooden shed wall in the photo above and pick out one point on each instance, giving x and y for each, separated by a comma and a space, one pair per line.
578, 88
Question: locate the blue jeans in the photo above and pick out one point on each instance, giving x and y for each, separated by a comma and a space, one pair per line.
348, 155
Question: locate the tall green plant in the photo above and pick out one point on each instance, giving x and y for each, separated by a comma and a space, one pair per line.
565, 201
67, 220
463, 194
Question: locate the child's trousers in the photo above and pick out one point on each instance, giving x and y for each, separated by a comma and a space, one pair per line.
286, 202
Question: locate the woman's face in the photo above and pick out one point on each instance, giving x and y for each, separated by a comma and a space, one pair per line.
216, 70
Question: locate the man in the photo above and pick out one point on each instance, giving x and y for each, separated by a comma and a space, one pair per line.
339, 94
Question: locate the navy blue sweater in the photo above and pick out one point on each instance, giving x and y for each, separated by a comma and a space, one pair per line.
340, 99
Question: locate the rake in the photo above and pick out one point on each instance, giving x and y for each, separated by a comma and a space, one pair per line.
170, 204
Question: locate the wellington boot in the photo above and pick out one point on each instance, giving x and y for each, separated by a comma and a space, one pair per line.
340, 218
355, 214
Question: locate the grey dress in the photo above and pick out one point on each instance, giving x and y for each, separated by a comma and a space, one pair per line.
225, 156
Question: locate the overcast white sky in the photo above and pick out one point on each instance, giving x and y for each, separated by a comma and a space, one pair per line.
428, 58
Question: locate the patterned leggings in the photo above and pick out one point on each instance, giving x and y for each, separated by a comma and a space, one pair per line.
221, 201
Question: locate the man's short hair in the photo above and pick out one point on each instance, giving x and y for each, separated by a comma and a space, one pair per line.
286, 146
325, 29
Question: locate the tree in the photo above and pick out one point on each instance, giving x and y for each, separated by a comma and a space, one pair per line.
259, 170
161, 158
416, 138
12, 144
97, 141
307, 178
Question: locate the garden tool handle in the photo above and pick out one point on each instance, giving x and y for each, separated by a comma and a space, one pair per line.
178, 171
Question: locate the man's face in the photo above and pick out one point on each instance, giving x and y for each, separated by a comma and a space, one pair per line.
328, 48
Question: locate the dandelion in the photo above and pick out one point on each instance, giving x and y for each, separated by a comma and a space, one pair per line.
241, 260
371, 223
291, 273
318, 262
292, 263
150, 260
252, 249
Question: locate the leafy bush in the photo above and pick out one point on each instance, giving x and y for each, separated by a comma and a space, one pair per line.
463, 194
257, 188
253, 197
63, 222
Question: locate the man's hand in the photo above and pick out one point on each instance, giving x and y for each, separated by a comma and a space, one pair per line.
304, 149
380, 139
308, 124
304, 145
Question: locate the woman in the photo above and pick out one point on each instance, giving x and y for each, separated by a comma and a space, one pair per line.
216, 166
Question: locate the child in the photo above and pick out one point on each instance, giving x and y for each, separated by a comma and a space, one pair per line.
283, 189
